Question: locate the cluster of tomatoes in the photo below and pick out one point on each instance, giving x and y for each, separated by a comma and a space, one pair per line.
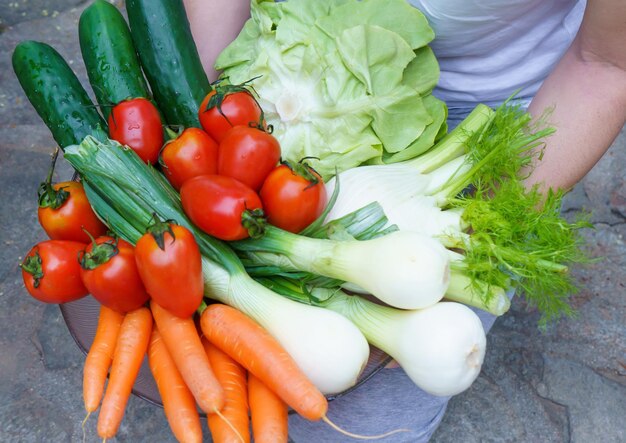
228, 173
80, 259
231, 182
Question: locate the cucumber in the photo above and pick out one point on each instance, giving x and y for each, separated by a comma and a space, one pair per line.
109, 55
169, 57
56, 94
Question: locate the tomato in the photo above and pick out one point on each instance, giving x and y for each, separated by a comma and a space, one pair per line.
191, 154
293, 198
248, 154
170, 266
223, 207
227, 106
109, 272
51, 271
136, 123
65, 213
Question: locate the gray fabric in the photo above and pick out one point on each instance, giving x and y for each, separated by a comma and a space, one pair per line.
388, 401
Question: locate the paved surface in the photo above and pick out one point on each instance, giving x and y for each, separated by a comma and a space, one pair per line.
568, 384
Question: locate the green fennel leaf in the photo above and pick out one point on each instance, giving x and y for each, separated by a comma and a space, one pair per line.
518, 236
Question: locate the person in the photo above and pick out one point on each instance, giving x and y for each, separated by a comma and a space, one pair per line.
564, 55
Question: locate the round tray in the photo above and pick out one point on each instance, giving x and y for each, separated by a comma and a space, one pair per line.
81, 317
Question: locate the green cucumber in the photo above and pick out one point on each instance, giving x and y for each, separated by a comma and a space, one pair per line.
110, 57
169, 57
56, 94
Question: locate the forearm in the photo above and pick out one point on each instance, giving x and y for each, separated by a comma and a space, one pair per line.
214, 24
587, 95
588, 111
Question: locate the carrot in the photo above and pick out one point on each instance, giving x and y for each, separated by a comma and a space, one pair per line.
268, 412
183, 343
261, 354
131, 347
178, 403
234, 424
99, 358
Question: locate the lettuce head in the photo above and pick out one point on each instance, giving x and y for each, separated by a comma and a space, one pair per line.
342, 82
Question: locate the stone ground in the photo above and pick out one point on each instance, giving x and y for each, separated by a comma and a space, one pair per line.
568, 384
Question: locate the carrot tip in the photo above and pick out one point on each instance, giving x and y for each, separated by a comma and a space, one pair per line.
82, 426
362, 437
86, 418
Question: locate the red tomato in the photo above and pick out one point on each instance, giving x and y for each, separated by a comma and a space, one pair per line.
223, 207
248, 154
170, 266
136, 123
191, 154
228, 106
65, 213
293, 199
109, 272
51, 271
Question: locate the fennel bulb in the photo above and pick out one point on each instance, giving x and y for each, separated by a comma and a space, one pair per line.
402, 191
403, 269
408, 191
441, 348
342, 81
327, 347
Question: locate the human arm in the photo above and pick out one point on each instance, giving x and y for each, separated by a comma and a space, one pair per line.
214, 24
587, 91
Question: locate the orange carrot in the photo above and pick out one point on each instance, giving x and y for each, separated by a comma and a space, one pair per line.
130, 350
178, 403
268, 412
99, 358
183, 343
261, 354
232, 377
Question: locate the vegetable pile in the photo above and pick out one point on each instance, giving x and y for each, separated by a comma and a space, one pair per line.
229, 231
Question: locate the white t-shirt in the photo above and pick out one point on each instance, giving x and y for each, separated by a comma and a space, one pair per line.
489, 49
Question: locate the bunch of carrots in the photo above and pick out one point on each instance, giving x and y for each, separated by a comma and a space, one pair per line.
217, 368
